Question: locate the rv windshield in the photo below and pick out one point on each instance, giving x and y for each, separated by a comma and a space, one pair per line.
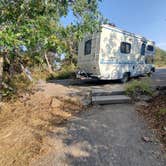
150, 48
143, 49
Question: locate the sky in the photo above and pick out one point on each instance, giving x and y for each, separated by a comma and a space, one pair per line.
144, 17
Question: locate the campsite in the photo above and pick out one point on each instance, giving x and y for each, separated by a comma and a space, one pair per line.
82, 83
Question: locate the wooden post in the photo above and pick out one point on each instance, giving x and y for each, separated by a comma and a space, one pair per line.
1, 72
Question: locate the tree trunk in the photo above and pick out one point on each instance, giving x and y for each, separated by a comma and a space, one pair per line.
1, 72
49, 66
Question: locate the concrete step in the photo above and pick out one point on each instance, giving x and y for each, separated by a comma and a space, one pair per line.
101, 92
113, 99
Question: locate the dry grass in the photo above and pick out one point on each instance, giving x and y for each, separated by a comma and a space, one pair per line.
25, 125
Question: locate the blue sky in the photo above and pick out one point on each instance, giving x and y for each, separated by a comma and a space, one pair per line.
144, 17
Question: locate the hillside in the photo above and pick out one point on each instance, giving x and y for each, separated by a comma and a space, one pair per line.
160, 58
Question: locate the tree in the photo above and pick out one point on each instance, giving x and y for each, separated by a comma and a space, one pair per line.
35, 25
160, 57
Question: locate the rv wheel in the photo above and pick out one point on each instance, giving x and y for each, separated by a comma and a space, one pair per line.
125, 78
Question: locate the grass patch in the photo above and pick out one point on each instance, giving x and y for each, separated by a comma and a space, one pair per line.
26, 125
139, 87
40, 73
162, 111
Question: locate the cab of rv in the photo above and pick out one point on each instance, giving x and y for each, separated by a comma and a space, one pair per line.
148, 51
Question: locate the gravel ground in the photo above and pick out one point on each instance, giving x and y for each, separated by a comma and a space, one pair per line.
110, 135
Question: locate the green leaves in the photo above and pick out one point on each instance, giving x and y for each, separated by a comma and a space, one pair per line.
36, 25
9, 39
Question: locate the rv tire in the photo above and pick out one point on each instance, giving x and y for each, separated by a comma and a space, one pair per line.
125, 77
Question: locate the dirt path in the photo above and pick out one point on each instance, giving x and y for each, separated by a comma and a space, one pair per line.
110, 135
105, 135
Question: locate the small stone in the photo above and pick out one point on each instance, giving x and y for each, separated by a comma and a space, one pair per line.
156, 93
145, 98
86, 102
164, 128
142, 103
146, 139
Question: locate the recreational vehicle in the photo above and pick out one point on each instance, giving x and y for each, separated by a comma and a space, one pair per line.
112, 54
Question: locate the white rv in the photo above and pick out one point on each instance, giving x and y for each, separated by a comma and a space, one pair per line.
115, 54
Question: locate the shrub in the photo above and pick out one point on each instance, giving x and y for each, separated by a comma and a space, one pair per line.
67, 71
40, 73
18, 83
139, 87
160, 57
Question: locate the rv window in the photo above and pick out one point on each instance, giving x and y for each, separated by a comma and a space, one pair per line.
125, 48
87, 49
143, 49
150, 48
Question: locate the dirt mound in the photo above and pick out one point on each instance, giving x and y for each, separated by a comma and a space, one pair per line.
25, 124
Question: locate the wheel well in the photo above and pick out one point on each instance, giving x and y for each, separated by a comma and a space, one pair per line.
126, 73
126, 77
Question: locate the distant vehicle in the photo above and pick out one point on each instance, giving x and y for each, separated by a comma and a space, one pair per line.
113, 54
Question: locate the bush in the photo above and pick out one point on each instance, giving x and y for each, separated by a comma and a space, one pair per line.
138, 87
40, 73
160, 57
67, 71
18, 83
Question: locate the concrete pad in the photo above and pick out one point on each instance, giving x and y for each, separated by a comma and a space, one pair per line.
113, 99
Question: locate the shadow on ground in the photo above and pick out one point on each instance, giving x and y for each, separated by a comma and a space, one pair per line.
85, 82
109, 135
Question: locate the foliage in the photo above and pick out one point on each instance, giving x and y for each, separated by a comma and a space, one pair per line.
137, 87
160, 57
35, 26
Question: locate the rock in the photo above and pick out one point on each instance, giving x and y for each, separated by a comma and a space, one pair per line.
86, 102
144, 98
55, 103
141, 103
146, 139
156, 93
